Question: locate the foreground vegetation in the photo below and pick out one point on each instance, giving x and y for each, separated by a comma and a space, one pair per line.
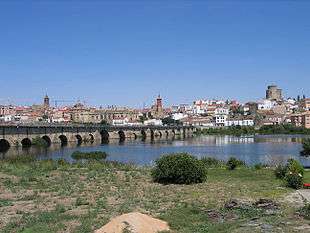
250, 130
55, 196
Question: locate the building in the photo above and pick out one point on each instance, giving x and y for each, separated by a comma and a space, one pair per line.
301, 119
153, 122
157, 109
198, 121
239, 121
274, 93
120, 114
82, 114
305, 104
266, 104
46, 102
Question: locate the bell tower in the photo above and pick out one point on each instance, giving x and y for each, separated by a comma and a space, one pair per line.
46, 102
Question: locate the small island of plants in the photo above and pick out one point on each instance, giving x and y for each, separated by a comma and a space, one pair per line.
96, 155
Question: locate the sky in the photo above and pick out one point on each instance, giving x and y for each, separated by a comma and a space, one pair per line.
125, 53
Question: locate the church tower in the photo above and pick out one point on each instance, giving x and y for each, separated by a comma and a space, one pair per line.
159, 104
46, 102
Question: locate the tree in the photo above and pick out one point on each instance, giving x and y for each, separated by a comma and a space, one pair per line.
142, 118
104, 122
170, 121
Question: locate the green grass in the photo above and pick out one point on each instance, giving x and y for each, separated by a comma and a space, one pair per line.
307, 176
54, 196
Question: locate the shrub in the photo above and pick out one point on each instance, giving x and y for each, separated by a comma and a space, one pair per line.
305, 211
294, 166
294, 180
180, 168
292, 172
280, 171
62, 162
306, 147
211, 162
259, 166
97, 155
232, 163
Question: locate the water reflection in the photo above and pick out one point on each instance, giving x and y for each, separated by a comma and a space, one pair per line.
251, 149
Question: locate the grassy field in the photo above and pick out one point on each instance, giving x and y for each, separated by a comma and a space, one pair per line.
47, 196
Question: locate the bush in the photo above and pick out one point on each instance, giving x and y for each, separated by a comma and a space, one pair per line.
232, 163
211, 162
305, 211
294, 180
180, 168
292, 173
280, 171
62, 162
294, 166
258, 166
97, 155
306, 147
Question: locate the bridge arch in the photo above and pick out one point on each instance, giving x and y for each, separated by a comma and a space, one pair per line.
121, 135
91, 138
135, 136
167, 133
79, 139
26, 143
173, 132
63, 140
152, 134
104, 136
143, 134
47, 140
4, 145
158, 133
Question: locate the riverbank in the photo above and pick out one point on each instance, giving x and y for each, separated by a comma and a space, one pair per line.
54, 196
250, 130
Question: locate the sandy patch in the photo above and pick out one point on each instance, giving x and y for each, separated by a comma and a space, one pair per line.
134, 222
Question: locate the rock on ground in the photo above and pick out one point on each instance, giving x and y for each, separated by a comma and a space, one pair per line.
298, 198
134, 222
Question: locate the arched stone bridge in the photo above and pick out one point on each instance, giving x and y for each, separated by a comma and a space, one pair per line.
26, 135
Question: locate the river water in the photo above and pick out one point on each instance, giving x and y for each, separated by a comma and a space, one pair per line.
251, 149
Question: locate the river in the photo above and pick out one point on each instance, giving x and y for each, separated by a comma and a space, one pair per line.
271, 149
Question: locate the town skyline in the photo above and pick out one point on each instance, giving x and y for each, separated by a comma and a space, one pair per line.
59, 102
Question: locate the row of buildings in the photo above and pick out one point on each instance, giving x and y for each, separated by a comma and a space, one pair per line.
79, 113
272, 110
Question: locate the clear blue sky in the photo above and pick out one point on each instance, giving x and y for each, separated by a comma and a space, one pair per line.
126, 52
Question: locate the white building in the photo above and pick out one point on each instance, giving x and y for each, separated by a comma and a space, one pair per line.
221, 111
178, 116
221, 120
153, 122
120, 122
265, 104
221, 115
239, 122
6, 118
